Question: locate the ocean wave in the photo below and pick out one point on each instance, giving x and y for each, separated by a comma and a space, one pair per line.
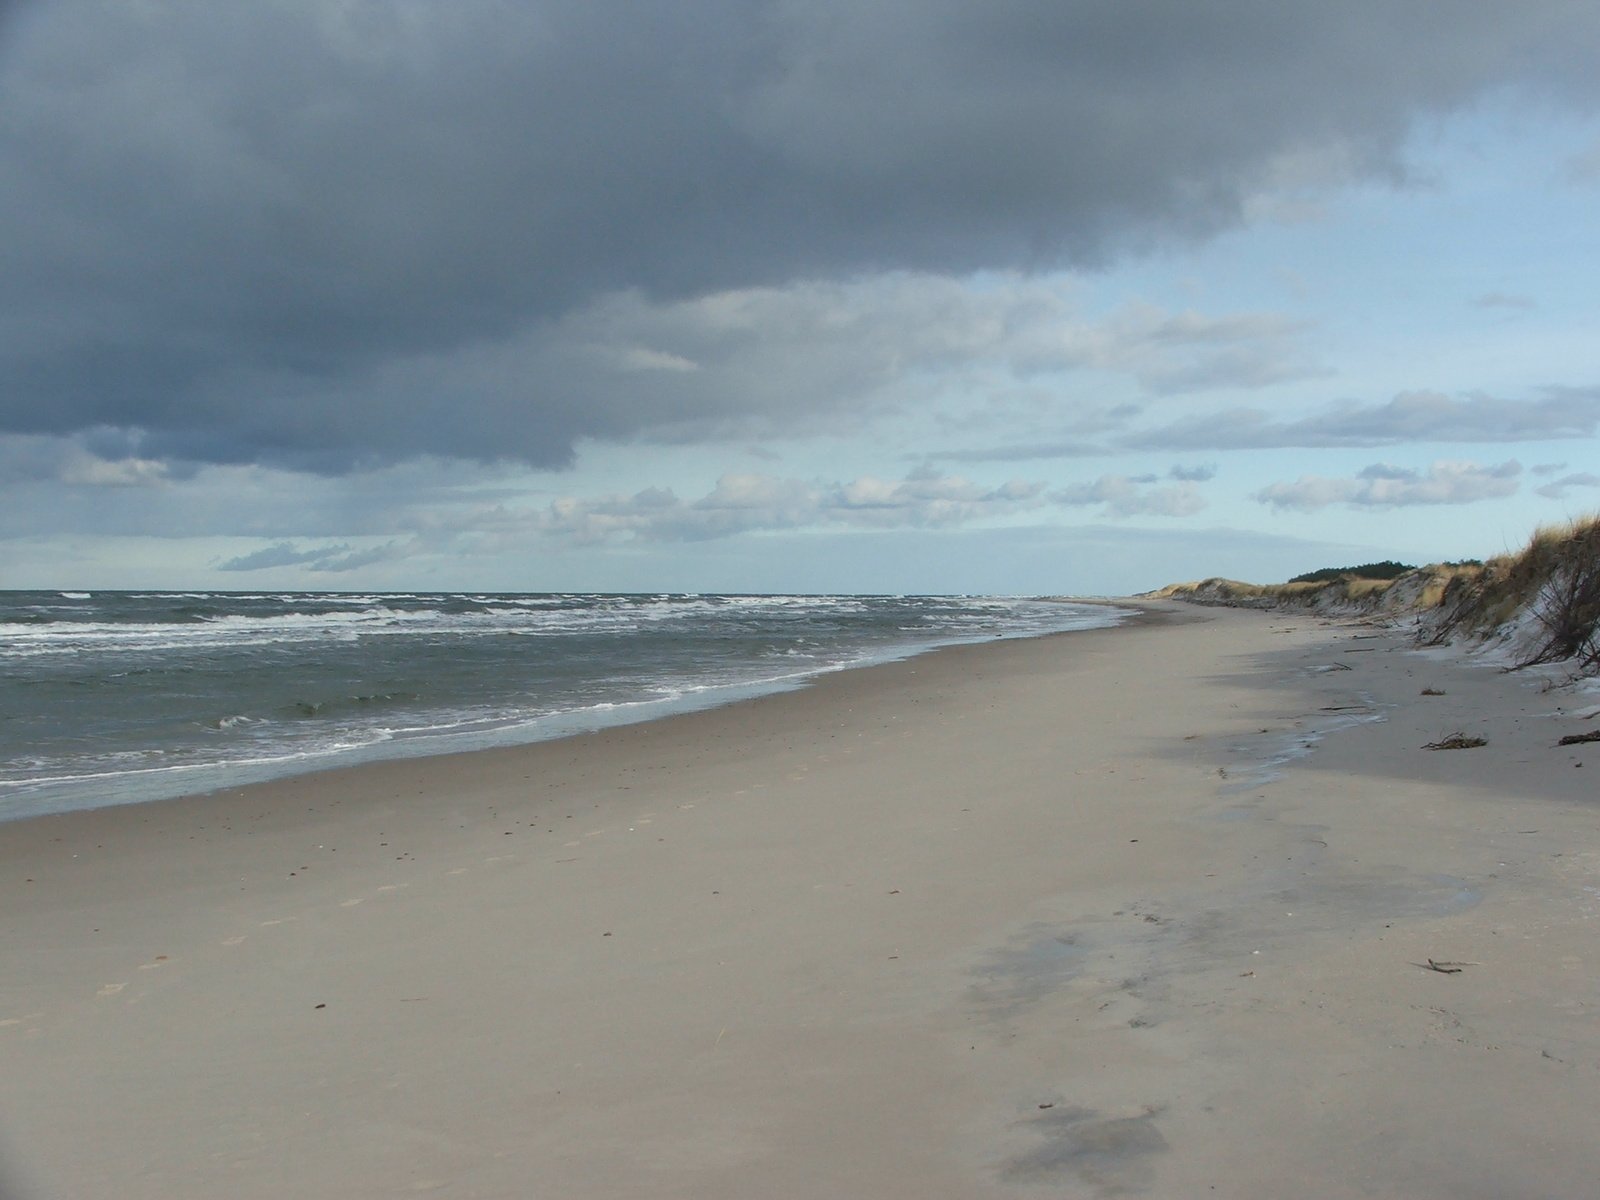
343, 704
237, 721
34, 634
163, 693
90, 772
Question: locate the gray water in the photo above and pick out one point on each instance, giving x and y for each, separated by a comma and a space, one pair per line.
116, 697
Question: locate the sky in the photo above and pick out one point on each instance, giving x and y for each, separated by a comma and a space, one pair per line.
1028, 296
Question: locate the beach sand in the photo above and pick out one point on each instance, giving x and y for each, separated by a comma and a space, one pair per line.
1028, 918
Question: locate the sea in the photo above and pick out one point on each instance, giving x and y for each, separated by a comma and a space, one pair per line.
121, 697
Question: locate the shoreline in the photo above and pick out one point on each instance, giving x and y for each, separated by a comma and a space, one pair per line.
387, 776
1004, 916
27, 799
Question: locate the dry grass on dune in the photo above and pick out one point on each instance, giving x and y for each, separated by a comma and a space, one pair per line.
1555, 581
1544, 600
1321, 595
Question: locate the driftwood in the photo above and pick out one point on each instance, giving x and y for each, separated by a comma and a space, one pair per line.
1457, 741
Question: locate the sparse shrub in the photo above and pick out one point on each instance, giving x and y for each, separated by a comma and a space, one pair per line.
1387, 569
1567, 605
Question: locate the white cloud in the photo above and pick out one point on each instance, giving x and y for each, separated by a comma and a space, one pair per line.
1170, 353
1132, 496
285, 554
827, 352
1385, 486
748, 502
730, 365
751, 502
1584, 168
330, 560
96, 458
1509, 300
1557, 489
86, 470
1021, 453
642, 358
1417, 416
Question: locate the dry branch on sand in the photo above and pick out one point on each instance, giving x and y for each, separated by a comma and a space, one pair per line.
1457, 741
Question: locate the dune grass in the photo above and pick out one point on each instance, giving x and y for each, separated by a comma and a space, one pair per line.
1548, 594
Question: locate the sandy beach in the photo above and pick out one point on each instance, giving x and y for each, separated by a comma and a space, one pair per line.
1143, 911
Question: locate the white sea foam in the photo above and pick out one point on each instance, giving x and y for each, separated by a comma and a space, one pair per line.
118, 696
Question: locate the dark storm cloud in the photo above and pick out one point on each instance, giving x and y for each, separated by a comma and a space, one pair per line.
298, 232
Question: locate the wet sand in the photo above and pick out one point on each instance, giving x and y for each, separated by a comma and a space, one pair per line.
1075, 916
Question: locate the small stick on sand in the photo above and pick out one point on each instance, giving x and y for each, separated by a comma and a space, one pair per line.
1445, 968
